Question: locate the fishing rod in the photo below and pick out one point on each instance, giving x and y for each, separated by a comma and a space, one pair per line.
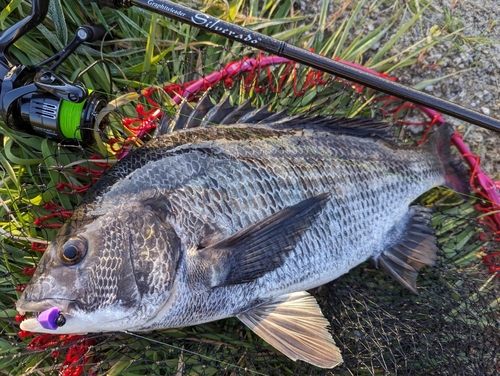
280, 48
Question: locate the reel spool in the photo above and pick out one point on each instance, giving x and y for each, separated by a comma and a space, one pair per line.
57, 118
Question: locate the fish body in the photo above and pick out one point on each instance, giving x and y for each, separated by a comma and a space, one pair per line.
240, 220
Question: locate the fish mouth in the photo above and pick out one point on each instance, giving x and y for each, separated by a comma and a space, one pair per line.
33, 321
69, 317
35, 307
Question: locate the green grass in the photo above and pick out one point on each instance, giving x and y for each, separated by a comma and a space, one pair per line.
146, 49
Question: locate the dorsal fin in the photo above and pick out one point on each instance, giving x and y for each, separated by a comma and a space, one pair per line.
257, 115
234, 116
199, 112
217, 113
181, 117
276, 117
205, 113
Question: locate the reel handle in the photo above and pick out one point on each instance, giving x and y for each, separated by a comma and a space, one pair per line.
85, 33
39, 10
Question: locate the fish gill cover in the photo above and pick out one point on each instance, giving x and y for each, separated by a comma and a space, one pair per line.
158, 75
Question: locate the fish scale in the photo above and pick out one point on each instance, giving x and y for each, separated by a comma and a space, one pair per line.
239, 220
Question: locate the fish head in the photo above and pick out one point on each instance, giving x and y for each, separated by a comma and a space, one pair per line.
112, 272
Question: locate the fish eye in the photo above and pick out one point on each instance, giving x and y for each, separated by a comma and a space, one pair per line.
73, 250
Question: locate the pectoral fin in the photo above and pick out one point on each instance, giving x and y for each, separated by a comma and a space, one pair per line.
294, 325
416, 249
261, 247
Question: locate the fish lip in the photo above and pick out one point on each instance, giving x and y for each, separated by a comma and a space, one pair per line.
37, 306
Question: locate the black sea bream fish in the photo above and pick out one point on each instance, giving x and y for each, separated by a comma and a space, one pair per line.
240, 220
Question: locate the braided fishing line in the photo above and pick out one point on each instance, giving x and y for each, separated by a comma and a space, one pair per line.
70, 117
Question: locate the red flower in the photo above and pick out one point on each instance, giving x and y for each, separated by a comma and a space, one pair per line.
76, 356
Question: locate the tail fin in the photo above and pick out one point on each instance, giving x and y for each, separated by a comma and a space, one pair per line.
456, 176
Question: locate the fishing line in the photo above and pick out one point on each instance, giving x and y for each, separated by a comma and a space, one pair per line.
70, 117
83, 161
245, 369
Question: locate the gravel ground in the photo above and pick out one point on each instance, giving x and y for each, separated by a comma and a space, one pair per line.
478, 87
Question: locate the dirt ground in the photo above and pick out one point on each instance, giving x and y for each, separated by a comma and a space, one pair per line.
476, 52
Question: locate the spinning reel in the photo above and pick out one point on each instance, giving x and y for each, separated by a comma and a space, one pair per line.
35, 99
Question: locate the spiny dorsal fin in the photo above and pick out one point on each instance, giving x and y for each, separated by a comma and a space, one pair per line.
234, 116
261, 247
181, 117
205, 113
276, 117
294, 325
217, 113
257, 115
202, 107
416, 249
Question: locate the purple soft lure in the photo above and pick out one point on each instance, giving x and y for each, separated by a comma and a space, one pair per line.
48, 318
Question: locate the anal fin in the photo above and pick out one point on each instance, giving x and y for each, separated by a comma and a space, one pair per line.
416, 249
294, 325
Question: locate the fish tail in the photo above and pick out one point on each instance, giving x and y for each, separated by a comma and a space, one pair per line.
455, 173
